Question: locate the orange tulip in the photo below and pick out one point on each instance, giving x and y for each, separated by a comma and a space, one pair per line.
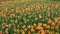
29, 26
29, 32
32, 30
58, 23
12, 14
49, 21
44, 25
32, 26
56, 20
53, 24
38, 28
57, 28
27, 9
23, 32
42, 31
59, 18
37, 7
45, 6
56, 5
48, 27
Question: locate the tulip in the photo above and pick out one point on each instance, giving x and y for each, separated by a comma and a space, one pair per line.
29, 32
53, 24
39, 24
40, 16
23, 26
6, 32
38, 28
0, 32
16, 21
47, 32
52, 32
59, 18
37, 7
12, 14
45, 25
28, 9
56, 28
48, 27
18, 31
25, 29
32, 30
15, 30
58, 23
52, 27
34, 24
6, 26
56, 5
23, 32
56, 20
6, 29
3, 24
49, 21
10, 25
29, 26
42, 31
36, 18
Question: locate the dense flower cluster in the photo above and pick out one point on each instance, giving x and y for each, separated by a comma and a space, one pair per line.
39, 19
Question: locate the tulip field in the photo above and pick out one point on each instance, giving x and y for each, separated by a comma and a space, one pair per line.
30, 17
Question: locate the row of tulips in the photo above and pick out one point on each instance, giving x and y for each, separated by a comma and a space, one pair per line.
39, 19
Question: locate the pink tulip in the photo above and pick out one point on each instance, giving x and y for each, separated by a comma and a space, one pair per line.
40, 16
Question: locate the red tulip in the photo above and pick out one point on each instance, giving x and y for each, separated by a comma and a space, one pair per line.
0, 32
